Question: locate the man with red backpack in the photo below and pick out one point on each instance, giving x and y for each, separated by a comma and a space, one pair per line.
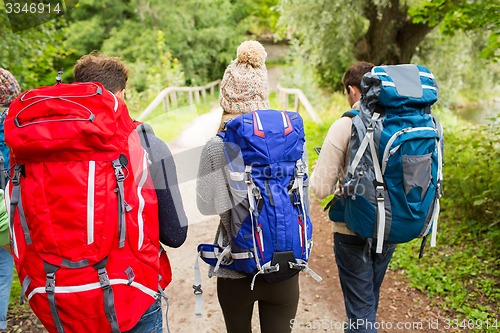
113, 74
92, 196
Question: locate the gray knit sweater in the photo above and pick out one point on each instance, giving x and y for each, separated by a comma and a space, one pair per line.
213, 195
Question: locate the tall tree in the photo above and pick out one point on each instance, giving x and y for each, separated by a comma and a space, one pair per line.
334, 33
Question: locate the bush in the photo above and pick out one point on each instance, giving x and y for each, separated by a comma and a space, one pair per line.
462, 273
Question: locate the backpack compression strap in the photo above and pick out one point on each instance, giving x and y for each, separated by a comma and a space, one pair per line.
298, 185
3, 172
109, 301
50, 288
253, 193
435, 213
16, 201
122, 205
379, 185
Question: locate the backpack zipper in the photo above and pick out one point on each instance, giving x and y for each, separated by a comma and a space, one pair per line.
388, 152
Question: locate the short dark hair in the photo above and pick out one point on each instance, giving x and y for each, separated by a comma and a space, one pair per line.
354, 74
96, 67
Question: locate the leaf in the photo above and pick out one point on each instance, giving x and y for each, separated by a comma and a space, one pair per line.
478, 202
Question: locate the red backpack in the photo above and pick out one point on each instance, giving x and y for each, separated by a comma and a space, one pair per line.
83, 210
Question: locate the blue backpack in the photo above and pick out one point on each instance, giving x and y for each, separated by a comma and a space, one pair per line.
270, 218
4, 154
393, 182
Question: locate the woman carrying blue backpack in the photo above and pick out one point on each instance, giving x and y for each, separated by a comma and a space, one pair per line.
244, 276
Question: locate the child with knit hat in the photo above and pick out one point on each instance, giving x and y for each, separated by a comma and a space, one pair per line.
244, 88
9, 91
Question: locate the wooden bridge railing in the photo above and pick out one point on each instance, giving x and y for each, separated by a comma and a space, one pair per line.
300, 98
168, 97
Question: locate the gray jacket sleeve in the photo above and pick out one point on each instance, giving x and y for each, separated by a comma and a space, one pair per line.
172, 217
212, 191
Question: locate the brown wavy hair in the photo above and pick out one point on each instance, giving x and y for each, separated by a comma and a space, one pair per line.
354, 74
97, 67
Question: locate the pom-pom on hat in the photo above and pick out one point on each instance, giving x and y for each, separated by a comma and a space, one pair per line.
9, 88
244, 87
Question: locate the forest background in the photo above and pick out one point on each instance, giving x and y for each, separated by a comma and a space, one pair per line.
190, 42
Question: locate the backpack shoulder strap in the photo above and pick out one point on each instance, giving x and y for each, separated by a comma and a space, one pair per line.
351, 113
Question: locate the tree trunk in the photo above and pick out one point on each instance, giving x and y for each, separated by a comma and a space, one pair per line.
392, 37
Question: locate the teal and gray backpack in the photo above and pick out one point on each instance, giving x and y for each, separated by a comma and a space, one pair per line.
4, 153
394, 179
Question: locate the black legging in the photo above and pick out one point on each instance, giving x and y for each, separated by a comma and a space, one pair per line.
277, 304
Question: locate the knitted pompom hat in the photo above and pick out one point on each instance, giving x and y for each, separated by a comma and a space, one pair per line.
9, 88
244, 87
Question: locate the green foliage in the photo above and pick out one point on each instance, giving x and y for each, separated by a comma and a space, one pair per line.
85, 36
163, 42
328, 111
462, 77
31, 54
258, 16
150, 76
463, 272
455, 15
334, 34
299, 74
472, 167
201, 34
327, 32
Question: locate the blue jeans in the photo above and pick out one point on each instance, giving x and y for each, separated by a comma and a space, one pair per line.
6, 269
151, 320
360, 280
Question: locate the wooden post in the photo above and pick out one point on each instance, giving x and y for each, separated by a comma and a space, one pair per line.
173, 98
204, 94
285, 101
166, 106
197, 96
190, 97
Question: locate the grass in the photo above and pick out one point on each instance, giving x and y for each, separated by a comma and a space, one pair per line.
336, 105
168, 125
15, 291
